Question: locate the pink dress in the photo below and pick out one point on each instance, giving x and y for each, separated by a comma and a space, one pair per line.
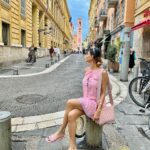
90, 86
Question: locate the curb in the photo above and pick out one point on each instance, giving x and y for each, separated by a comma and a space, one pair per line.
53, 67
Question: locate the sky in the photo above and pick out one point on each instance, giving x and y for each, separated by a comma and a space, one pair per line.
79, 9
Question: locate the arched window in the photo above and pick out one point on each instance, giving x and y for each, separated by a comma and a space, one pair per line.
23, 7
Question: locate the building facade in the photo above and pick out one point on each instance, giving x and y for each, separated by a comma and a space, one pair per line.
92, 15
109, 21
43, 23
141, 29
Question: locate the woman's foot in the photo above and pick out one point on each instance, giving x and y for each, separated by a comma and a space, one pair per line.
72, 147
54, 137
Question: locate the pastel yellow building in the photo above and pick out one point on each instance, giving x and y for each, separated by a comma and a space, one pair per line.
92, 17
43, 23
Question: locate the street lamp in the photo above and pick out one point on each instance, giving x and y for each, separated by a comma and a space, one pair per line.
45, 32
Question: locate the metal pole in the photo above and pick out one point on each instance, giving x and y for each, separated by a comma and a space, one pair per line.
5, 130
126, 55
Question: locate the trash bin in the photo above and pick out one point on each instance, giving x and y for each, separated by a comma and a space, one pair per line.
5, 130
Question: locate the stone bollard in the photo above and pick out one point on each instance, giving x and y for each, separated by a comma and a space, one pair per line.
52, 62
93, 134
46, 65
15, 72
5, 130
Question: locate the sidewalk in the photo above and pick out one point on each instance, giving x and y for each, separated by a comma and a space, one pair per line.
28, 68
130, 123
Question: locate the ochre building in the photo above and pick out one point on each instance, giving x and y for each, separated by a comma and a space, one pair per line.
44, 23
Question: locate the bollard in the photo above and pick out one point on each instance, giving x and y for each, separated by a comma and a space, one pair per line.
55, 61
135, 74
52, 62
5, 130
93, 134
46, 65
15, 72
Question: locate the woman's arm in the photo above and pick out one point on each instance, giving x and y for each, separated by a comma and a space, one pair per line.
102, 95
103, 90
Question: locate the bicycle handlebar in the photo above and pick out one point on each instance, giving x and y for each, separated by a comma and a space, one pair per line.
144, 60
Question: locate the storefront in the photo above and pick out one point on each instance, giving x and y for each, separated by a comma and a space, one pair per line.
141, 31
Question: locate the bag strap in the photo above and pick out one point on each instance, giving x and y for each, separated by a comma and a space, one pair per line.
109, 88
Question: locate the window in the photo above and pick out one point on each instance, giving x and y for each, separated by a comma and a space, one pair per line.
23, 7
5, 33
23, 38
7, 1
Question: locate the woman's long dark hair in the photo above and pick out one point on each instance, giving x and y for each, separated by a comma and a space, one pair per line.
96, 53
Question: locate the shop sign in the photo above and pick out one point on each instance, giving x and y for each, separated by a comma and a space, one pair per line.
146, 13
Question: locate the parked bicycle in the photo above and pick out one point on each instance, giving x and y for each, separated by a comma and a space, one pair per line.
139, 87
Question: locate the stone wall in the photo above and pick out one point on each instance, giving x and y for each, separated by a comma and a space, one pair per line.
11, 55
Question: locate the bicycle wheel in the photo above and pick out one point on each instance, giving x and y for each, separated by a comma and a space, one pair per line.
135, 91
81, 125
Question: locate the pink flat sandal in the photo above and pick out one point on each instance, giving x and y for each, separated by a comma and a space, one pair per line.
54, 138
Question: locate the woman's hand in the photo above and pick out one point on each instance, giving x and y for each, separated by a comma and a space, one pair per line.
96, 115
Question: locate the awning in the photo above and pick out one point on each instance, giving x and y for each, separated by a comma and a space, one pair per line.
105, 39
141, 25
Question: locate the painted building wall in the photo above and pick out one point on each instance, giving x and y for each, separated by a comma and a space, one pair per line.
141, 40
34, 20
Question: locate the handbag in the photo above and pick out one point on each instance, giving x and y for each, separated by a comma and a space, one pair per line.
107, 114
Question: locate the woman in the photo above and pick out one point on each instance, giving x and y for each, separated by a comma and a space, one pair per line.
131, 60
87, 104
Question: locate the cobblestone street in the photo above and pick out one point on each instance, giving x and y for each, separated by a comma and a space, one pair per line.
37, 103
46, 93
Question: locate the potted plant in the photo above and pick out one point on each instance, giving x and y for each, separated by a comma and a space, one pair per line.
113, 65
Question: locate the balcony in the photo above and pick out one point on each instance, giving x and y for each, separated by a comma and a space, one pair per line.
96, 23
102, 15
112, 3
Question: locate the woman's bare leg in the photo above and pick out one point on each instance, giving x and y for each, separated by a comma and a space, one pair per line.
71, 104
72, 117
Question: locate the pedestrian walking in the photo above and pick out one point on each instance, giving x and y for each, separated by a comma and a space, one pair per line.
88, 104
83, 51
51, 52
131, 60
58, 54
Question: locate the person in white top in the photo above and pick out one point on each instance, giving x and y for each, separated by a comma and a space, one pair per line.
58, 53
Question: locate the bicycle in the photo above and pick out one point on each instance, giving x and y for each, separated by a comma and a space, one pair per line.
139, 87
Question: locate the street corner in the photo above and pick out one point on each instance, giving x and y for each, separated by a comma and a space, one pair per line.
21, 70
119, 90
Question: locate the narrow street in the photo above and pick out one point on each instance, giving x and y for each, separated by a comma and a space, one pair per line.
44, 93
45, 45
